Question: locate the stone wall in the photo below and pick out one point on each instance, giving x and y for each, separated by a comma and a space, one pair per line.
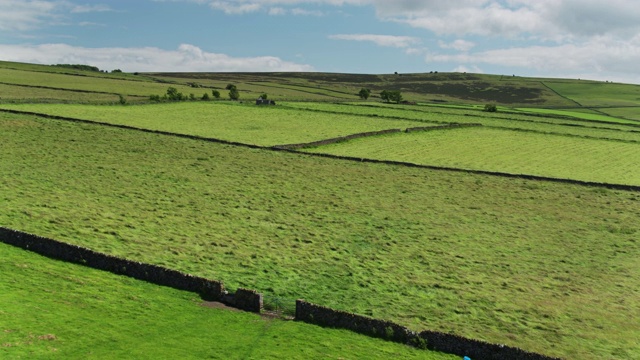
248, 300
337, 139
447, 343
211, 290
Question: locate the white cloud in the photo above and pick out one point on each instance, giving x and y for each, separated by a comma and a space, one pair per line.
90, 8
303, 12
277, 11
543, 19
187, 58
600, 57
27, 15
381, 40
235, 8
460, 45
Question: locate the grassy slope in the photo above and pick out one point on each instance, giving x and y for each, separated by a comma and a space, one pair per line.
56, 310
505, 151
89, 83
547, 267
266, 126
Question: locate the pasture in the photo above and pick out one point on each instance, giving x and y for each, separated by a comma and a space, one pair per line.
56, 310
264, 126
547, 267
506, 151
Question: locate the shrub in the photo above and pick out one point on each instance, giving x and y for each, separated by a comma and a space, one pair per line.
205, 97
490, 108
215, 93
122, 100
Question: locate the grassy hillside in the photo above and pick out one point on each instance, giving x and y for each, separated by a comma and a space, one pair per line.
548, 267
544, 266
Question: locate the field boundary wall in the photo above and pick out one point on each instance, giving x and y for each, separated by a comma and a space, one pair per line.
432, 340
337, 139
369, 134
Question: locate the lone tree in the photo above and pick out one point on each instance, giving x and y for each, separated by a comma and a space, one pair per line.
490, 108
391, 95
364, 93
264, 96
215, 93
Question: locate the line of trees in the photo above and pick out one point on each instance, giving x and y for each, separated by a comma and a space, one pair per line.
386, 95
391, 95
174, 95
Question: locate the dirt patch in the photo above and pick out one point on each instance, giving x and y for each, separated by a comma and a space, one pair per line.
218, 305
265, 314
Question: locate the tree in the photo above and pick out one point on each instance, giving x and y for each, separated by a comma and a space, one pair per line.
395, 95
264, 96
173, 94
391, 95
205, 97
364, 93
234, 94
230, 87
384, 95
215, 93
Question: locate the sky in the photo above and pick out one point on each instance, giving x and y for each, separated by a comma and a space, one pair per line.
586, 39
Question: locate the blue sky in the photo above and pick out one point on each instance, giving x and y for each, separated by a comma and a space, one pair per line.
589, 39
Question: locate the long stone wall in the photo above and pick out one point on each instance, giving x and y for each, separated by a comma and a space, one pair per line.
336, 139
447, 343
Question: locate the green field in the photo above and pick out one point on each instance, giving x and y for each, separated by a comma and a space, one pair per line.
594, 93
547, 267
624, 130
89, 83
265, 126
56, 310
581, 115
632, 113
18, 93
507, 151
544, 266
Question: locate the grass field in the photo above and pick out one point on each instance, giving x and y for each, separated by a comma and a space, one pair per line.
90, 83
594, 93
514, 152
581, 115
632, 113
56, 310
467, 115
547, 267
14, 93
266, 126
